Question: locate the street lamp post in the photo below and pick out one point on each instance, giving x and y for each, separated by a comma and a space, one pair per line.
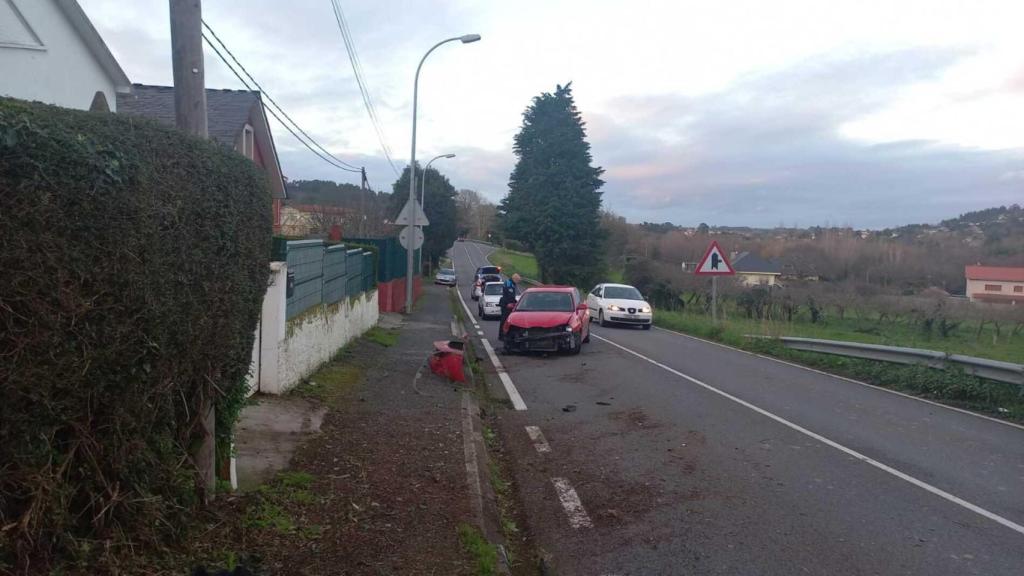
411, 229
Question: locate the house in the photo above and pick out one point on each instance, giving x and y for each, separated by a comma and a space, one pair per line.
302, 220
236, 119
1002, 284
752, 270
50, 52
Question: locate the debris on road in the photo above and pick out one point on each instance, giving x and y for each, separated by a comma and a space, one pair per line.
569, 408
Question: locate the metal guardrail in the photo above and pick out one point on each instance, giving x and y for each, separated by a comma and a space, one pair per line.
982, 367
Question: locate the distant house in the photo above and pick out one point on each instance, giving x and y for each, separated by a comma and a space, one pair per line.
235, 119
50, 52
1000, 284
752, 270
302, 220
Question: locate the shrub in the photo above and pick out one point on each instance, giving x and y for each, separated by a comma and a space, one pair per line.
134, 263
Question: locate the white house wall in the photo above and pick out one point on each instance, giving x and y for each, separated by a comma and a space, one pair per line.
61, 70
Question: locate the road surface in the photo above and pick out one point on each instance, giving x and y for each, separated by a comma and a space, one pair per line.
681, 456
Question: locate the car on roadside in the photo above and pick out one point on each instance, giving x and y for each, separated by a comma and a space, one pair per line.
478, 286
547, 319
619, 304
446, 277
492, 270
488, 306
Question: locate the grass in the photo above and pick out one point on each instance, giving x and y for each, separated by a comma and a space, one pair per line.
269, 510
384, 337
512, 262
483, 553
951, 386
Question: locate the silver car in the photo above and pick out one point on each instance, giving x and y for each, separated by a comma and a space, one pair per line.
488, 303
445, 276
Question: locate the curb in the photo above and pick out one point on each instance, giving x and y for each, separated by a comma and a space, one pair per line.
482, 499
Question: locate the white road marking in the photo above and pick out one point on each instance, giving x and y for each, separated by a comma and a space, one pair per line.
539, 442
815, 370
480, 332
571, 502
885, 468
506, 381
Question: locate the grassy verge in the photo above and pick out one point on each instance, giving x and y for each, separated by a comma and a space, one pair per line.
482, 552
515, 262
951, 386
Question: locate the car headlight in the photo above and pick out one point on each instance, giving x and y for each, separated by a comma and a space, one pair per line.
568, 328
646, 309
615, 308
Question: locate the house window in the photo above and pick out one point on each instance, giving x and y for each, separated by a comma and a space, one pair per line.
247, 142
993, 288
1018, 289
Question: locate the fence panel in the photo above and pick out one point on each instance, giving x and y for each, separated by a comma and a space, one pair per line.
305, 265
354, 283
369, 276
335, 273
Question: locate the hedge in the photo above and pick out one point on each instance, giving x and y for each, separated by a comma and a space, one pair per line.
134, 261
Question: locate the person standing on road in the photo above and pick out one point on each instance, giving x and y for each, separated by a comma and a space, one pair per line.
509, 290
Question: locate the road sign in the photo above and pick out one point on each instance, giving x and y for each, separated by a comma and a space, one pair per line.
714, 263
406, 214
403, 237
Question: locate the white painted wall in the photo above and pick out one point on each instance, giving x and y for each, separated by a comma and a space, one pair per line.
60, 69
285, 352
977, 287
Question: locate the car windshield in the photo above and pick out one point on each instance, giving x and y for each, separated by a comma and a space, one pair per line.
492, 289
491, 278
545, 302
622, 293
489, 270
447, 272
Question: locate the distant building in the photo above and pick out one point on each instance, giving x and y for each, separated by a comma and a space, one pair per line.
50, 52
235, 120
302, 220
752, 270
1001, 284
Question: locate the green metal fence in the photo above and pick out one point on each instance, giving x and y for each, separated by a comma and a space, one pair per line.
390, 259
320, 274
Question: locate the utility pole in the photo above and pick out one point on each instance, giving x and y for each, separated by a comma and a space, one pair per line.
362, 204
190, 117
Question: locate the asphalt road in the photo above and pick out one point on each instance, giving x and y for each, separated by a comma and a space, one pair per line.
681, 456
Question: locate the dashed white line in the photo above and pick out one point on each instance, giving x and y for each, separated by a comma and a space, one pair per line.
571, 503
539, 442
866, 459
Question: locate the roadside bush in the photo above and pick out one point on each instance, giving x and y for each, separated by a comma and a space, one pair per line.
134, 262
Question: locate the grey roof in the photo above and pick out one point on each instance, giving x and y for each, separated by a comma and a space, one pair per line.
227, 111
750, 262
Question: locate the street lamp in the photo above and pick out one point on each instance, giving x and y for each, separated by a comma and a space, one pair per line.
423, 179
411, 229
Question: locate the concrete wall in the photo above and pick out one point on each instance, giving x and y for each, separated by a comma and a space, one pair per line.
44, 58
756, 279
286, 351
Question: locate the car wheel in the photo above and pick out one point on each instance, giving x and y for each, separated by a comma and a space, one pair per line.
576, 345
600, 318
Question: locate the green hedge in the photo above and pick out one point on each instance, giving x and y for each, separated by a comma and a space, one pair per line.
134, 261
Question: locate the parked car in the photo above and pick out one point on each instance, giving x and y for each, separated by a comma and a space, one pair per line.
478, 286
547, 319
488, 306
619, 303
445, 276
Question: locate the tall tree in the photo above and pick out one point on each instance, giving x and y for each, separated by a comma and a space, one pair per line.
439, 206
554, 200
476, 214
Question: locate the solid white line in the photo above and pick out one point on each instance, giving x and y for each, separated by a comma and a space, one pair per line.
571, 502
902, 476
822, 372
539, 442
510, 388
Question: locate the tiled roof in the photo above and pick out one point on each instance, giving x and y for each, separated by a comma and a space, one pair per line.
750, 262
995, 273
227, 111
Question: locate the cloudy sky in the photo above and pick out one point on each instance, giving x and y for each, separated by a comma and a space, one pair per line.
753, 113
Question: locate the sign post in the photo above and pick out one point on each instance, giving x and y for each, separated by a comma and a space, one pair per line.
714, 264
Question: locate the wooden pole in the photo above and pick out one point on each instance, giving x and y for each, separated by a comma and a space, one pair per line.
190, 117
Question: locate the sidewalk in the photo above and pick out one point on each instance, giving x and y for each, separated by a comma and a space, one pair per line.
382, 489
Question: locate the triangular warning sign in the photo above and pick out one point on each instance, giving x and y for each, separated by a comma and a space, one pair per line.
714, 262
403, 217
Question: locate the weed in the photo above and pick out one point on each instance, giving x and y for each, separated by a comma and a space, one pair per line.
485, 555
385, 337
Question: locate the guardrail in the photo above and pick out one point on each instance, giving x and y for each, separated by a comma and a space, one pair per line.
982, 367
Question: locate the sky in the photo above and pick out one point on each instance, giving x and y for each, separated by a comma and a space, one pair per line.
734, 113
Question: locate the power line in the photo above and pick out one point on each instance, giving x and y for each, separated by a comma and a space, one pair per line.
323, 153
357, 70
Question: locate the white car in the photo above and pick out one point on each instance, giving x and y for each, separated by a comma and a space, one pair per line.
488, 303
478, 286
620, 304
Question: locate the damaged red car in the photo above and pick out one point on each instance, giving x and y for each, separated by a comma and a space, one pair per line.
547, 319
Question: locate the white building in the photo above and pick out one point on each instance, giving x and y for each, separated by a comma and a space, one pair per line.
50, 52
